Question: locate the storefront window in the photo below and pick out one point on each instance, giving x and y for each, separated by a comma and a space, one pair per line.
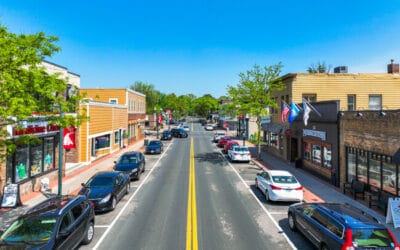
36, 156
48, 153
274, 140
102, 142
351, 164
327, 157
389, 175
374, 170
362, 166
307, 151
316, 154
21, 163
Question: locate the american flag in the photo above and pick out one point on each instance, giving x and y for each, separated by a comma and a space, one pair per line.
285, 111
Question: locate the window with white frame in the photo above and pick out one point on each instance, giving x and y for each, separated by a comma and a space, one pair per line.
375, 102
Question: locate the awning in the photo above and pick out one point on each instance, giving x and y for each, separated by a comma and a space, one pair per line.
275, 127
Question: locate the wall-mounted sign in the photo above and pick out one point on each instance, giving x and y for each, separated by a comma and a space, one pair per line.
315, 133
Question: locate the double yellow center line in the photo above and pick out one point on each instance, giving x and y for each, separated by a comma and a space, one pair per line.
191, 228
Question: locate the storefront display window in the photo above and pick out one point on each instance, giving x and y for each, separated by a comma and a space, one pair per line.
21, 163
116, 137
48, 153
327, 157
351, 164
102, 142
374, 170
389, 175
274, 140
307, 151
362, 166
36, 156
316, 154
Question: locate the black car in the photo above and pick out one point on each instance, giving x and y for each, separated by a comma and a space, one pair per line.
60, 222
132, 163
179, 132
106, 188
154, 147
339, 226
166, 135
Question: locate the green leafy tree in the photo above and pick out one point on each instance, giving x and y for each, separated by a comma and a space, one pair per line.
26, 87
153, 96
252, 95
205, 105
319, 68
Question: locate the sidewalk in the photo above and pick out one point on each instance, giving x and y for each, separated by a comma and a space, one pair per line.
71, 184
316, 190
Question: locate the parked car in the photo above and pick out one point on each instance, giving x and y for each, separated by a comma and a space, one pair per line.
154, 147
166, 135
179, 132
132, 163
62, 222
105, 189
209, 127
217, 136
229, 145
223, 140
339, 226
279, 185
239, 153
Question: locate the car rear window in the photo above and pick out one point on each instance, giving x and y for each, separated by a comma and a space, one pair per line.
372, 238
284, 179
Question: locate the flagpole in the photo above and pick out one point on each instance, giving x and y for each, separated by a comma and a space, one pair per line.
312, 107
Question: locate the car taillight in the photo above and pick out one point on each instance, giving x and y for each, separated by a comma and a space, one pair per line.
273, 187
299, 188
396, 245
348, 242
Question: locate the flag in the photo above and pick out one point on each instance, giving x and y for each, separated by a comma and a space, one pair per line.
294, 112
284, 110
306, 114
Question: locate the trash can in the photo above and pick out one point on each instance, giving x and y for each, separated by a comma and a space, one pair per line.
146, 142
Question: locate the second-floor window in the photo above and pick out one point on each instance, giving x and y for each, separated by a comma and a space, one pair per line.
113, 100
310, 97
375, 102
351, 102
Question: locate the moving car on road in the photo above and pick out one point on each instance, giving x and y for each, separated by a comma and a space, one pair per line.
217, 136
154, 147
239, 153
186, 128
209, 127
62, 222
105, 189
339, 226
279, 185
132, 163
179, 132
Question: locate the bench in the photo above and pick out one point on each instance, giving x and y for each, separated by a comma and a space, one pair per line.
379, 199
356, 188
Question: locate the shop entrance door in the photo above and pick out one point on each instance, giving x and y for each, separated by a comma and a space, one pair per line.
294, 154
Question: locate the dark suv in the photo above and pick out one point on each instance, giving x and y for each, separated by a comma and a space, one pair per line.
339, 226
179, 132
60, 222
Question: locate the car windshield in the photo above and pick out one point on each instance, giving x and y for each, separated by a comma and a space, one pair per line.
154, 143
372, 238
32, 230
128, 159
100, 182
241, 149
284, 179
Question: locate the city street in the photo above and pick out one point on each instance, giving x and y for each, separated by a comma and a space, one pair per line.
229, 212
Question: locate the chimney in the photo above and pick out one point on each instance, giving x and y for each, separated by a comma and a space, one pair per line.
340, 69
393, 68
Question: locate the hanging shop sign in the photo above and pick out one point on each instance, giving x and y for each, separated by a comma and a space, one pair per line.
33, 127
69, 137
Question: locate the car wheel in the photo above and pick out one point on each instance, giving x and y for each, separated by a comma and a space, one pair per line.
88, 234
128, 188
292, 223
113, 203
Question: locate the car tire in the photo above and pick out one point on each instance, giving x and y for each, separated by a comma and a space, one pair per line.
88, 234
113, 203
292, 223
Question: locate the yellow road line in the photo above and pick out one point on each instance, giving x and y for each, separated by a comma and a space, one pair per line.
191, 228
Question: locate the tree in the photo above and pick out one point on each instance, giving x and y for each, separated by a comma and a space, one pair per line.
319, 68
252, 95
26, 87
153, 96
205, 105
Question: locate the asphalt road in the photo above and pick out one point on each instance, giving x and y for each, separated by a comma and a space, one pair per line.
223, 210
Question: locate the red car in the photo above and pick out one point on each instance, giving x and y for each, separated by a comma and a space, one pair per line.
223, 140
229, 145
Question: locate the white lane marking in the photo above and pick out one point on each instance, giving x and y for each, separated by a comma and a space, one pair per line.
261, 205
102, 226
130, 199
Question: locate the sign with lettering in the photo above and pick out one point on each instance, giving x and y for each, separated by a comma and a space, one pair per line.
10, 196
315, 133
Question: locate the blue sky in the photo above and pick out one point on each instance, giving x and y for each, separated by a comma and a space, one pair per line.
200, 47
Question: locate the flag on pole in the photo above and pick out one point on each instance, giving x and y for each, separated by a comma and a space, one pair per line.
294, 112
306, 112
284, 110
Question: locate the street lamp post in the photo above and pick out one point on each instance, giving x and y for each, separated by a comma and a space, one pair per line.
156, 111
60, 155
